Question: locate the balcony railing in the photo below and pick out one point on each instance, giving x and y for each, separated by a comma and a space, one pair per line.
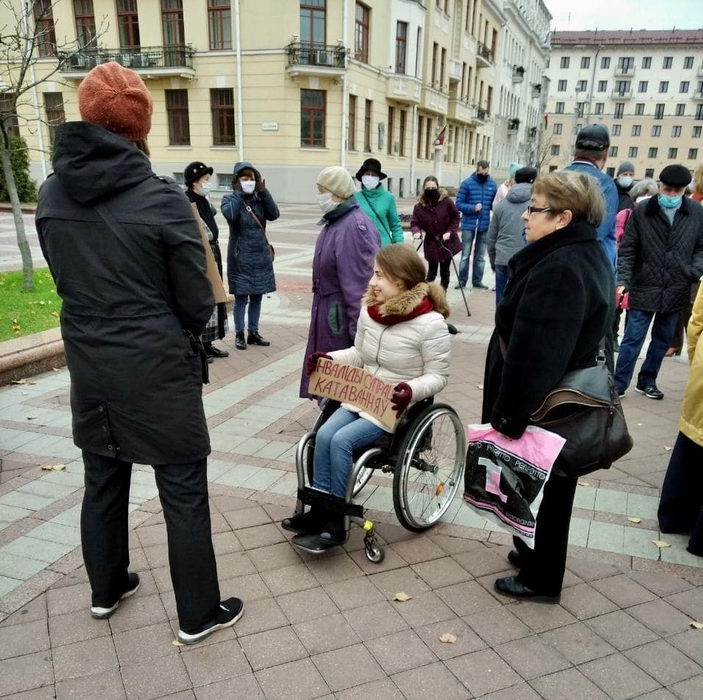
698, 95
141, 58
518, 74
624, 71
513, 126
481, 114
316, 55
532, 132
484, 56
622, 94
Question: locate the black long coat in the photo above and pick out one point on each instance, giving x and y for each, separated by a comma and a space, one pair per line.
658, 261
557, 305
136, 384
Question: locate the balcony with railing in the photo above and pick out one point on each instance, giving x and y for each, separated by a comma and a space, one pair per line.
622, 94
404, 88
480, 116
532, 132
518, 74
315, 59
624, 71
434, 100
484, 56
460, 111
536, 91
513, 126
148, 61
698, 96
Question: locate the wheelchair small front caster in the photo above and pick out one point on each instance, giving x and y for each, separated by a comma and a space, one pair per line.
374, 552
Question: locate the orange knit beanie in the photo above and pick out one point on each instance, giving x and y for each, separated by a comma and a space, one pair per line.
116, 98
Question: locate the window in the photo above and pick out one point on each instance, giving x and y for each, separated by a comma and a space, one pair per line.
639, 109
632, 152
667, 62
561, 86
443, 68
692, 153
435, 54
656, 130
602, 86
585, 62
368, 110
391, 129
313, 22
581, 85
676, 131
177, 117
85, 22
44, 24
649, 173
626, 63
696, 133
222, 109
622, 87
652, 152
613, 152
684, 85
401, 46
688, 62
600, 106
219, 15
173, 30
699, 113
361, 32
659, 111
636, 130
554, 150
313, 104
642, 87
647, 62
616, 130
351, 124
401, 132
580, 111
420, 132
55, 115
619, 110
663, 86
559, 108
673, 153
565, 60
605, 62
8, 113
680, 109
428, 138
610, 171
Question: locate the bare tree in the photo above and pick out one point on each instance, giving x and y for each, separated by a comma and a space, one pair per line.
28, 36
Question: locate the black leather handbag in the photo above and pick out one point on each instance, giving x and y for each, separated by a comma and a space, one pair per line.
585, 409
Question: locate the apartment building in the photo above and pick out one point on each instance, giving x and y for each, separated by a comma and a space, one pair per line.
645, 86
294, 85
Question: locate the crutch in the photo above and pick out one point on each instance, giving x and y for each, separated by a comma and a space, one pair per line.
456, 272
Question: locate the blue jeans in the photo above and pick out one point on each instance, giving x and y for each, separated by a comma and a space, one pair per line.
501, 281
635, 333
467, 242
335, 443
240, 307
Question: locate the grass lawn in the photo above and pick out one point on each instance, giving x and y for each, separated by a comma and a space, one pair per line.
30, 312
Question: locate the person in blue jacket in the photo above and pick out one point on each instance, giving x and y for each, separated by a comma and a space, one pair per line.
474, 201
590, 155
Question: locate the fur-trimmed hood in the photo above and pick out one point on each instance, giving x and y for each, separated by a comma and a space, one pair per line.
402, 304
443, 194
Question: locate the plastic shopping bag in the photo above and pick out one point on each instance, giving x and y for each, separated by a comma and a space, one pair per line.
505, 478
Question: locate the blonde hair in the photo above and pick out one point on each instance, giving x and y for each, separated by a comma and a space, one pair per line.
698, 179
402, 264
572, 191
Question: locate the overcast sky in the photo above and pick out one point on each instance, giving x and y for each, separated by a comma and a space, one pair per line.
626, 14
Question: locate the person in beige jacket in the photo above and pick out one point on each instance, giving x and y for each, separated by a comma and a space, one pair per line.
681, 503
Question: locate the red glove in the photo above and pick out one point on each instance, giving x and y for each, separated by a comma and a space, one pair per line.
312, 360
402, 396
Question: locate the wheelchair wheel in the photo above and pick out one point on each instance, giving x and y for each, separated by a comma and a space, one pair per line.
429, 467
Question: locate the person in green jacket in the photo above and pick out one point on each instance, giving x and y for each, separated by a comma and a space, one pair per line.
378, 203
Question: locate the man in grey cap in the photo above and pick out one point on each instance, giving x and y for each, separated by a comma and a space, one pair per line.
624, 178
661, 255
590, 155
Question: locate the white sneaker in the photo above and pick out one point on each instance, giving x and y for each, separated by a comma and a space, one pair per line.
230, 611
105, 613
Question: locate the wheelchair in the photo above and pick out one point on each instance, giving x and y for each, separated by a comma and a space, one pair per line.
426, 456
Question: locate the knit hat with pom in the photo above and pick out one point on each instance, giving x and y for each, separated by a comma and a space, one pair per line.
116, 98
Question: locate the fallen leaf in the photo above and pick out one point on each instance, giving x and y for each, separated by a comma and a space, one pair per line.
448, 638
54, 369
635, 520
21, 381
177, 643
53, 467
696, 625
480, 387
660, 544
667, 448
401, 597
584, 483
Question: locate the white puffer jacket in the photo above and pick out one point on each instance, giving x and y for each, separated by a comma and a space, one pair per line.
415, 351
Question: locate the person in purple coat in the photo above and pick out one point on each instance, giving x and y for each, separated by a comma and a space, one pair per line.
341, 268
437, 215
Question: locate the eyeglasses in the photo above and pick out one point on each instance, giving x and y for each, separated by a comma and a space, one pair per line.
537, 210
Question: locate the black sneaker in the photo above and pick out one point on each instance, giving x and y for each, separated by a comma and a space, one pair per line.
230, 611
257, 339
459, 286
105, 613
239, 342
650, 391
621, 393
212, 351
333, 533
480, 285
310, 523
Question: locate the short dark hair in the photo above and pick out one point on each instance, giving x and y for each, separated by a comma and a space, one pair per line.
590, 153
482, 164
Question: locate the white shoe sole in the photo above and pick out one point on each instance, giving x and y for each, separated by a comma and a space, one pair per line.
105, 613
186, 638
646, 396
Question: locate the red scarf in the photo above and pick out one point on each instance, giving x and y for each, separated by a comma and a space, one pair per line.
424, 307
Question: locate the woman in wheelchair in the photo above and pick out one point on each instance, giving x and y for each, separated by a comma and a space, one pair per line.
401, 338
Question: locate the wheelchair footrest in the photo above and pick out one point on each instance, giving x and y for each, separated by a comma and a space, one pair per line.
311, 544
330, 503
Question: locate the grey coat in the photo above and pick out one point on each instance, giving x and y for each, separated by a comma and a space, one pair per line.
505, 231
249, 263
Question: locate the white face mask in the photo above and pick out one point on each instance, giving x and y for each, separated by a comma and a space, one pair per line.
248, 186
370, 182
326, 202
205, 189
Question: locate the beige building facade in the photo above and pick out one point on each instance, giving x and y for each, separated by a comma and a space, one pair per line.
645, 86
296, 85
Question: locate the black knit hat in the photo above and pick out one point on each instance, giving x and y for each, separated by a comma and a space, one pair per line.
370, 164
526, 174
195, 171
675, 176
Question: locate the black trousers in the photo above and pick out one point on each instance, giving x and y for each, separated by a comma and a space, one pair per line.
444, 268
544, 566
681, 503
184, 496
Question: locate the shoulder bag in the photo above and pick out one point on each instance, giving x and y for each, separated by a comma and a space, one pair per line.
271, 249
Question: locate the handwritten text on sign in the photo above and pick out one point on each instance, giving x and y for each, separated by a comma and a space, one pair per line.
355, 386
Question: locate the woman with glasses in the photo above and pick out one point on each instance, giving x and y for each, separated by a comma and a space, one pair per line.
555, 310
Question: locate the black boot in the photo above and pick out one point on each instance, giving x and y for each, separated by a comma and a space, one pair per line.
239, 341
310, 523
256, 339
333, 533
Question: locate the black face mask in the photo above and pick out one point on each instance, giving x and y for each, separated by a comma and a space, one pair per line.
482, 177
432, 194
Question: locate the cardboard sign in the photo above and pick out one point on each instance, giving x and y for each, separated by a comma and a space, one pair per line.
211, 271
355, 386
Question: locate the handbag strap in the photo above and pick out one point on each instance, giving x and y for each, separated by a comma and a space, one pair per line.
600, 356
376, 214
258, 221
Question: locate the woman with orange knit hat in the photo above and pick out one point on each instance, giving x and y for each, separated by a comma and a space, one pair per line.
128, 262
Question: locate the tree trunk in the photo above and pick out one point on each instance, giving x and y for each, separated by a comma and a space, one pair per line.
22, 243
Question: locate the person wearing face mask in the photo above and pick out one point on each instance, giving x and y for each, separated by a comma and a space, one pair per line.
249, 256
378, 203
436, 215
198, 185
624, 179
341, 268
661, 255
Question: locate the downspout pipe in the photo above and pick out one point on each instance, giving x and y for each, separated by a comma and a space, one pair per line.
345, 96
240, 111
